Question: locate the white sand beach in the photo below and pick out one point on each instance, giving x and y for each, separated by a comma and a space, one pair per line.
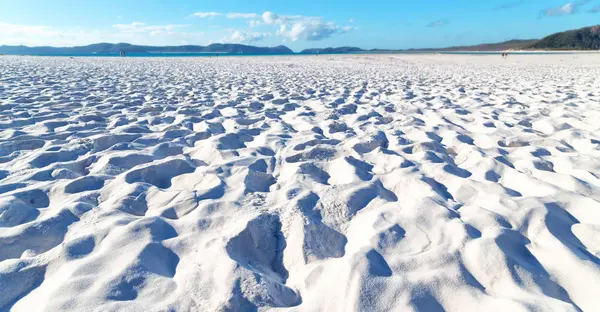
300, 183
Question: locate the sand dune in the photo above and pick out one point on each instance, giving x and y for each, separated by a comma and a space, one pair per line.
330, 183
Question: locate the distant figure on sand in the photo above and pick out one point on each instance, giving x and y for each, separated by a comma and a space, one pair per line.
122, 53
505, 55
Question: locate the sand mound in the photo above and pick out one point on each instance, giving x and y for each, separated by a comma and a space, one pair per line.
337, 183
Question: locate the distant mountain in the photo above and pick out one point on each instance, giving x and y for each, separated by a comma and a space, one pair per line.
110, 48
502, 46
488, 47
332, 50
587, 38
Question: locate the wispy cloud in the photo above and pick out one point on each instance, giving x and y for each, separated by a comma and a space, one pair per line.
15, 29
510, 5
129, 27
439, 23
39, 35
565, 9
136, 33
242, 15
287, 28
137, 27
206, 14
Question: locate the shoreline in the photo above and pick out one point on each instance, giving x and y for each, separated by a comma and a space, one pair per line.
227, 55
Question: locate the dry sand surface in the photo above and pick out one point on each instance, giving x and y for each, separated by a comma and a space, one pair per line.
329, 183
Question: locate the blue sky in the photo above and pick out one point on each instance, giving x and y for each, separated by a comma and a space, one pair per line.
297, 24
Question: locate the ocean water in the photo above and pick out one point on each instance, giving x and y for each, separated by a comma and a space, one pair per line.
155, 55
211, 54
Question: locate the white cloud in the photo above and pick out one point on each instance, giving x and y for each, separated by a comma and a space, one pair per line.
36, 35
129, 27
311, 29
566, 9
293, 27
245, 37
137, 27
15, 30
287, 27
270, 18
296, 27
206, 14
171, 30
242, 15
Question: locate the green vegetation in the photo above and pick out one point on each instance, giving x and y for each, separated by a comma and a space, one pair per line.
488, 47
587, 38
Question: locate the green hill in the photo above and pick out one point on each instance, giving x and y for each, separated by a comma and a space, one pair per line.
487, 47
587, 38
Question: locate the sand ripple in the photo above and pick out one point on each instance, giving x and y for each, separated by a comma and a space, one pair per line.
330, 183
